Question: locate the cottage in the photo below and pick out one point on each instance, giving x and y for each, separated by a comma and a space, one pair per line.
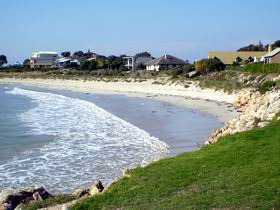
164, 63
43, 59
273, 56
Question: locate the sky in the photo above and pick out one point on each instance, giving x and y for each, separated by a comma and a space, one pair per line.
187, 29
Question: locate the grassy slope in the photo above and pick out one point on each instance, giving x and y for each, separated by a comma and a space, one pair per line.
241, 171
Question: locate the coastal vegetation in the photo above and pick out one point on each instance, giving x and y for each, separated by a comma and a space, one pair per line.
3, 60
259, 47
238, 172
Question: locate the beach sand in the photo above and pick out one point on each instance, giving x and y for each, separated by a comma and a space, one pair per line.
209, 101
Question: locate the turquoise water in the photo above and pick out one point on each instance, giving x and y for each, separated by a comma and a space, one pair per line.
66, 140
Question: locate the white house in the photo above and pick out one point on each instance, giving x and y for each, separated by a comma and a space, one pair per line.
43, 59
62, 62
165, 62
129, 63
273, 57
132, 63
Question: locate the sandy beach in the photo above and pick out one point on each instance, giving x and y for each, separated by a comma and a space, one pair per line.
209, 101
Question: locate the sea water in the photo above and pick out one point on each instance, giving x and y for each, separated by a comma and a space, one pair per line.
65, 140
66, 143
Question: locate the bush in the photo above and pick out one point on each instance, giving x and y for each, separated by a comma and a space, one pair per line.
262, 68
267, 86
205, 66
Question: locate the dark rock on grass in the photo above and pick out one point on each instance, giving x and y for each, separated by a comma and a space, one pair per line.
11, 200
93, 190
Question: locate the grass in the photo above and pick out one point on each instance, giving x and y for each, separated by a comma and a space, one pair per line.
60, 199
257, 68
240, 172
225, 85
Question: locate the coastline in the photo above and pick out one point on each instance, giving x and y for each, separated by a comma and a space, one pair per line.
253, 102
208, 101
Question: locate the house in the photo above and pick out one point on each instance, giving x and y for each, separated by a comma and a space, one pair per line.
133, 63
129, 63
164, 63
229, 58
272, 56
62, 62
43, 59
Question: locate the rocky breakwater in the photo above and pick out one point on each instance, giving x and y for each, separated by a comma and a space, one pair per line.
10, 199
14, 199
256, 112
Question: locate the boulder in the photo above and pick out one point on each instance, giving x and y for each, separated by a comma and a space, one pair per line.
96, 188
12, 200
4, 194
257, 111
81, 193
6, 206
37, 197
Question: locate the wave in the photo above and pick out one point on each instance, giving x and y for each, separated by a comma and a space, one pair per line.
89, 144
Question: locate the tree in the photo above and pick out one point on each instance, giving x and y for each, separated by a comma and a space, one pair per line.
3, 60
252, 47
65, 54
101, 64
92, 65
276, 44
115, 62
26, 63
85, 65
143, 54
78, 54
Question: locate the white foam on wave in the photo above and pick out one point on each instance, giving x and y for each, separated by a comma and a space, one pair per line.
89, 143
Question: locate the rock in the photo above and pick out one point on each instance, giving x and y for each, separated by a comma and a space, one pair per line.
81, 193
192, 74
4, 194
13, 199
96, 188
37, 197
257, 111
126, 172
6, 206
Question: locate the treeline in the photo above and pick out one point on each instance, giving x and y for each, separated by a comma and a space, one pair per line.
259, 47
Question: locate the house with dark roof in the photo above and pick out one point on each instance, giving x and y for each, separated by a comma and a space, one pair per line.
165, 62
273, 56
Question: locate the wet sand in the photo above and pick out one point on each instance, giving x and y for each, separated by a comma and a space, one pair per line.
183, 128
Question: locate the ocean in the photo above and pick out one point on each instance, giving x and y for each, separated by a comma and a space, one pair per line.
65, 140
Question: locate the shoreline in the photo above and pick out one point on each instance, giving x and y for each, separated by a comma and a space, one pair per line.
208, 101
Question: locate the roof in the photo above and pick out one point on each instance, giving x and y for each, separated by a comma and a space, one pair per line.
230, 57
62, 60
273, 53
49, 53
166, 60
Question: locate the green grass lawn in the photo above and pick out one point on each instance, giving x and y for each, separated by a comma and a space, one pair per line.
241, 171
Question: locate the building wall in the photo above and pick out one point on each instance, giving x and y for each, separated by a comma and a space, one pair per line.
153, 68
276, 59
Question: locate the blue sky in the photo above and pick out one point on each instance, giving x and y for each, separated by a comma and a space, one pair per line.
185, 28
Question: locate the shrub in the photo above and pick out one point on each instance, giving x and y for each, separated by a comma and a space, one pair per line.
262, 68
267, 86
205, 66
